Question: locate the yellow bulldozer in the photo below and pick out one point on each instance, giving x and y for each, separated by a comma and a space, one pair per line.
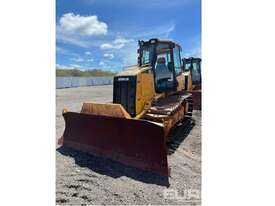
149, 100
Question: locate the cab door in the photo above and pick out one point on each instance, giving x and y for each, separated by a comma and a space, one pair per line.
178, 68
163, 69
196, 71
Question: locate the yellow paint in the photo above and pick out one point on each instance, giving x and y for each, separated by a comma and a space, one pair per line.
105, 109
145, 90
189, 81
180, 80
133, 71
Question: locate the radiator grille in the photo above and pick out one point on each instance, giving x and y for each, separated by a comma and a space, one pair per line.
124, 93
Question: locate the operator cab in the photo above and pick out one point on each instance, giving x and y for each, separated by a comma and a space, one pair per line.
194, 66
164, 58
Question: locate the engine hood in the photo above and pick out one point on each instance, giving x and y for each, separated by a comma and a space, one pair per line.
133, 70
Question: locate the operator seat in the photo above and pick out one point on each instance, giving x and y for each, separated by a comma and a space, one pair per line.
162, 72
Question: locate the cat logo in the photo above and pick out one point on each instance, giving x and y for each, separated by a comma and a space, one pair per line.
123, 79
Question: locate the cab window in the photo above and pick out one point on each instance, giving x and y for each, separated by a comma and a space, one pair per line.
147, 54
164, 78
177, 61
196, 76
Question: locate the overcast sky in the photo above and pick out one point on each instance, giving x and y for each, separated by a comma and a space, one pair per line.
104, 33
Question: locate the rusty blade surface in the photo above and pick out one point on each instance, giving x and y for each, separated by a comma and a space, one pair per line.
137, 143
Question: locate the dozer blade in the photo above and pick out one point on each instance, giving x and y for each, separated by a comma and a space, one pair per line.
137, 143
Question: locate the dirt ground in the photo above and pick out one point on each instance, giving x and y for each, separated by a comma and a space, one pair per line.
87, 179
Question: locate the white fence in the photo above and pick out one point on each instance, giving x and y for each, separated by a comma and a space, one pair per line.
68, 82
